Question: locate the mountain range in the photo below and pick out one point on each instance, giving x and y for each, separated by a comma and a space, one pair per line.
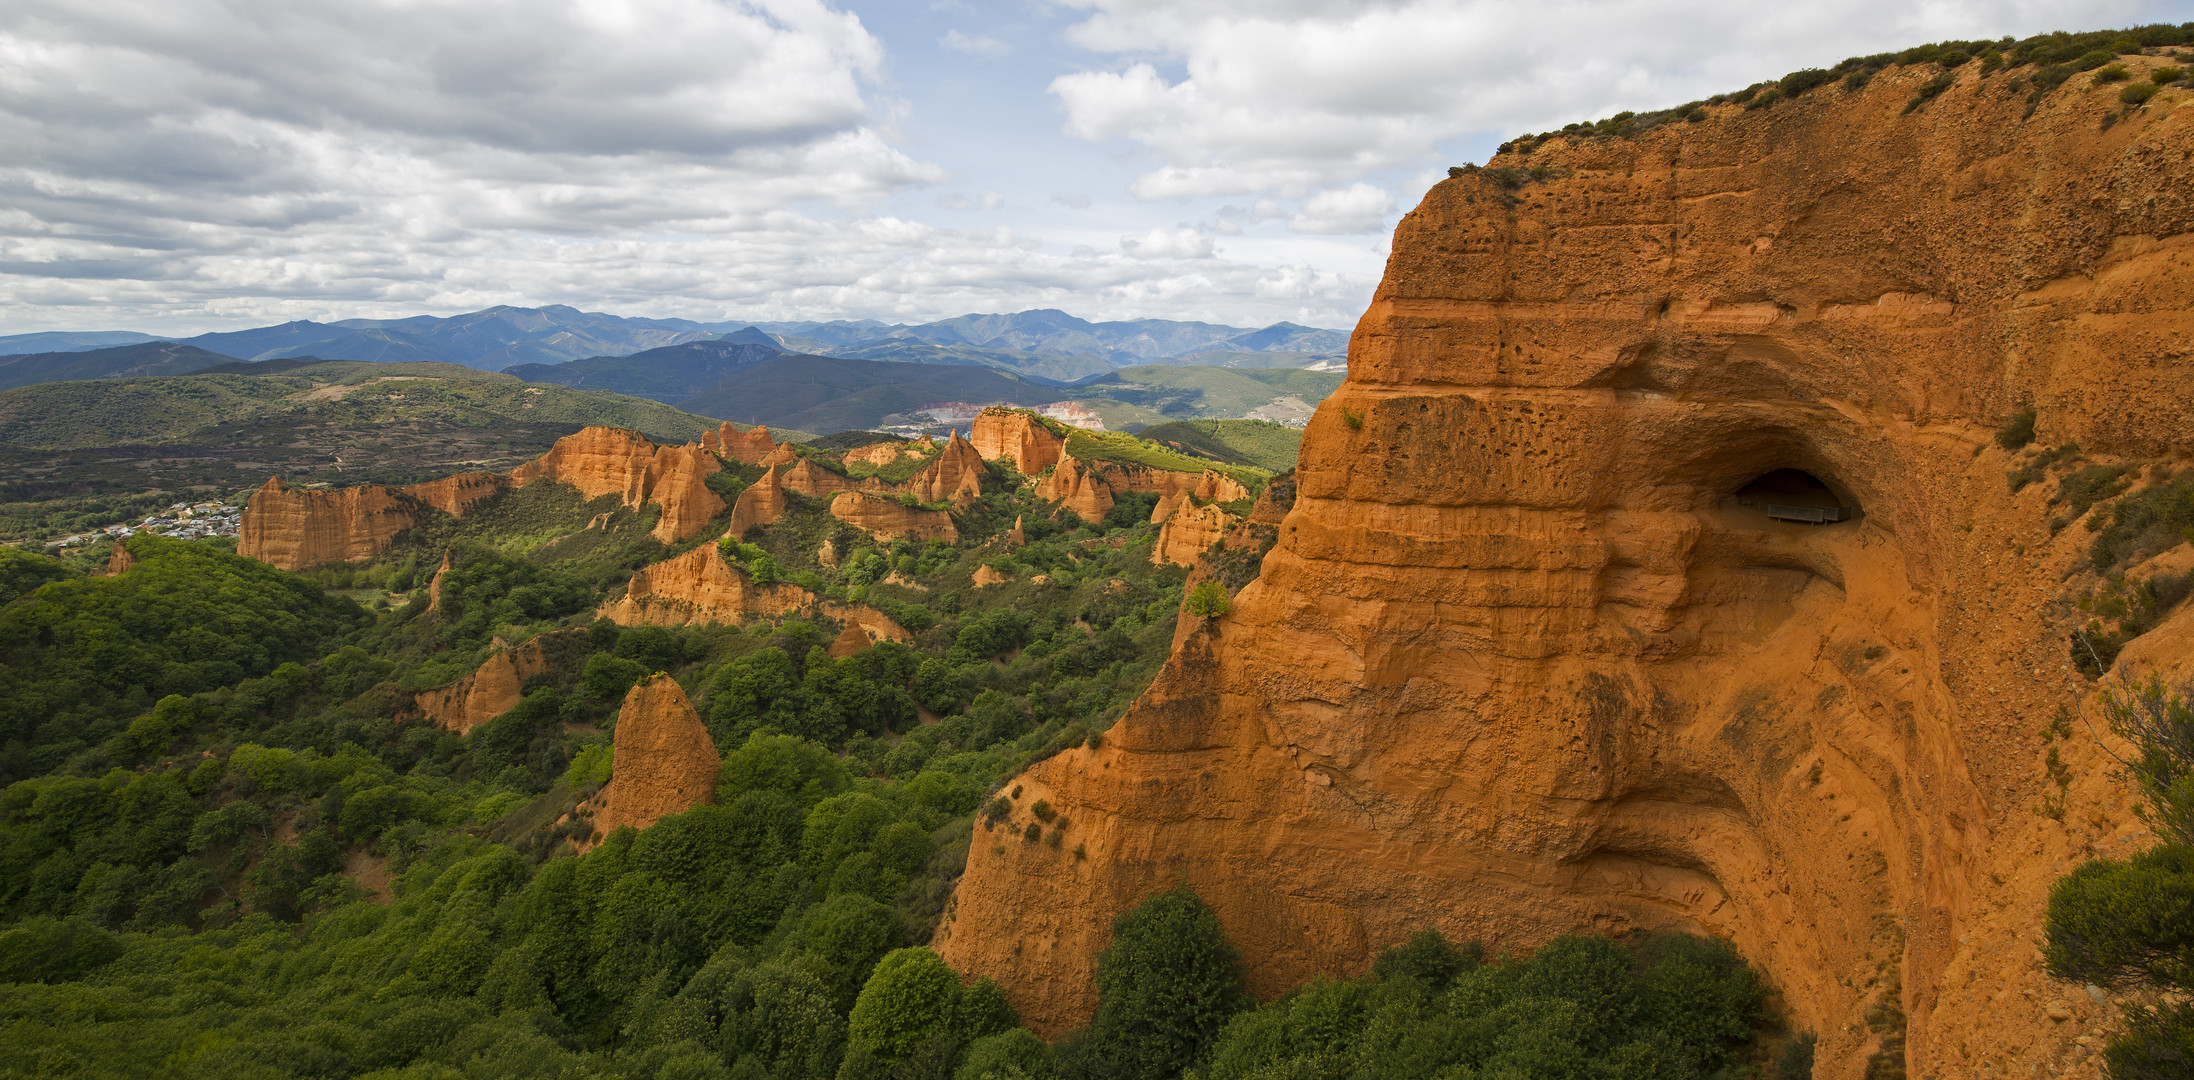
1047, 344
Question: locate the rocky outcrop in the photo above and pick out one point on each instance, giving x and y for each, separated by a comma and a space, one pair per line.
1188, 532
662, 761
872, 625
1018, 436
784, 454
878, 455
955, 476
700, 587
612, 461
1166, 507
1526, 660
434, 586
749, 446
762, 503
453, 495
297, 529
811, 480
1079, 488
119, 560
497, 685
300, 528
888, 519
985, 577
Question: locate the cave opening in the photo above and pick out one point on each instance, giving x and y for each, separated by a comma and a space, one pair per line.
1795, 495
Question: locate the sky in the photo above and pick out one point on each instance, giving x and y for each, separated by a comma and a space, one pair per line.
175, 166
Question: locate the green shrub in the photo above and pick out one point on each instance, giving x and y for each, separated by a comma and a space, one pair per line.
2017, 431
2131, 922
2091, 60
2111, 74
2138, 93
1165, 988
2143, 523
1930, 89
1798, 82
1208, 600
2165, 75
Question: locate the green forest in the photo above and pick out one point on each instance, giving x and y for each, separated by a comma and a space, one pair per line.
229, 846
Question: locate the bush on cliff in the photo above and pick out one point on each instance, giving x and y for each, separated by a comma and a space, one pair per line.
2129, 924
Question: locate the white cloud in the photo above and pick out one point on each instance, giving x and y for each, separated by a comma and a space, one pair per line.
1357, 208
209, 150
1164, 243
975, 44
1072, 200
1281, 97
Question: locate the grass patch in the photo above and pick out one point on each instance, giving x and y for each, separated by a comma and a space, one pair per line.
1126, 449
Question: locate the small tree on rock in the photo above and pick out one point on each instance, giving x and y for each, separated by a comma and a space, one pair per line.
1208, 600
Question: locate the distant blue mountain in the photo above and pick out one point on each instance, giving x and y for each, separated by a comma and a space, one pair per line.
1046, 344
68, 341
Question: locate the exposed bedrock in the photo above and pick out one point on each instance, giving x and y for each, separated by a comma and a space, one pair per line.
1549, 642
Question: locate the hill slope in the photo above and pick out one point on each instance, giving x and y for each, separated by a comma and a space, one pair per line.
670, 374
826, 393
144, 358
80, 454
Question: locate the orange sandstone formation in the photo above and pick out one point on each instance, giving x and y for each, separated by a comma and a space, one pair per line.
762, 503
749, 446
810, 479
297, 529
955, 476
1188, 532
877, 454
496, 686
699, 587
300, 528
1547, 645
612, 461
782, 455
887, 519
662, 761
1018, 436
453, 495
1081, 488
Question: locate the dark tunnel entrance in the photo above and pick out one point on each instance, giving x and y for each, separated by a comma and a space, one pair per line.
1796, 496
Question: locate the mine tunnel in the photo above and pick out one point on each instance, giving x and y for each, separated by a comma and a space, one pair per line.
1795, 495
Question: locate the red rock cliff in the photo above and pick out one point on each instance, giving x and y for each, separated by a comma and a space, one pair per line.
1527, 659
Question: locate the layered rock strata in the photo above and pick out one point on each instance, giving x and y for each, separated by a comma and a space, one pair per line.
662, 761
1017, 436
888, 519
1527, 659
700, 587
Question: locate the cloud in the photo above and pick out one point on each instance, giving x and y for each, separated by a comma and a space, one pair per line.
975, 44
1358, 208
1163, 243
1072, 200
1288, 97
953, 200
207, 150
